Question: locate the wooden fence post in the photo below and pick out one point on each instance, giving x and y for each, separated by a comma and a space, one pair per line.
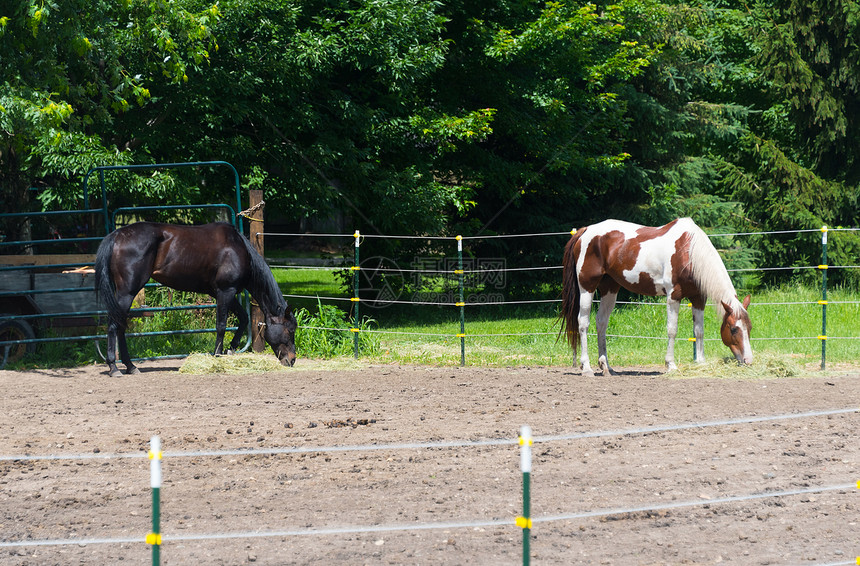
255, 219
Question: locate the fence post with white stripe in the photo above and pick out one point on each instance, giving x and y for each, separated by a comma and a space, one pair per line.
154, 538
525, 522
823, 301
462, 302
355, 298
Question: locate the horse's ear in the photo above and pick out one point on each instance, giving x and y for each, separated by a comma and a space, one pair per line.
727, 307
747, 301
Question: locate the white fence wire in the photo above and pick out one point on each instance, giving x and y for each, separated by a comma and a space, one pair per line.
456, 270
458, 444
455, 273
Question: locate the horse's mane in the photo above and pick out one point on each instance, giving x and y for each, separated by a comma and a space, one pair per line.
263, 286
708, 270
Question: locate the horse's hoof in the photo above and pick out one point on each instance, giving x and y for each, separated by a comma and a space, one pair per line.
116, 373
133, 371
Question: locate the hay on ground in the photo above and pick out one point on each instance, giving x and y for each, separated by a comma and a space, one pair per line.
764, 366
249, 362
231, 363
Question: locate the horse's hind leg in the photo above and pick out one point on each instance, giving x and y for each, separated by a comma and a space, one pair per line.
110, 355
116, 337
585, 299
130, 368
607, 303
125, 302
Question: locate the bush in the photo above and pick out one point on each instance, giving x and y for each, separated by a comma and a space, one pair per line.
328, 334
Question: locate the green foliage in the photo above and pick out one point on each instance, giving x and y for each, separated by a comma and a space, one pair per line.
780, 194
809, 50
445, 117
560, 87
329, 334
56, 355
181, 320
326, 98
74, 77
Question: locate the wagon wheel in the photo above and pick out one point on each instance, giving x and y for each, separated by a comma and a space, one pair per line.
15, 330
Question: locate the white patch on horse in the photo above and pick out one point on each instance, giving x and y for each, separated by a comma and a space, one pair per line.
747, 353
655, 260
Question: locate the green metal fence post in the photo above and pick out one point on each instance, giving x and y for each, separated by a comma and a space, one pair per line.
525, 522
823, 301
462, 302
154, 538
355, 299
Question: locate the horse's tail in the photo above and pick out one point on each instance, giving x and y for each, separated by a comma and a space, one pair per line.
104, 284
570, 293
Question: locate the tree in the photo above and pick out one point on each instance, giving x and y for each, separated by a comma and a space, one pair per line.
429, 117
559, 85
329, 100
73, 75
809, 51
797, 165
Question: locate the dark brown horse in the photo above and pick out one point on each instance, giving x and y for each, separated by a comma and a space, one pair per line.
214, 259
677, 260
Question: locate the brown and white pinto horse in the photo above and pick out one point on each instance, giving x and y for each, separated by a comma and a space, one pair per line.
677, 260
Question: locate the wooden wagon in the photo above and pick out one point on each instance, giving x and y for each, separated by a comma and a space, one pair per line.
41, 292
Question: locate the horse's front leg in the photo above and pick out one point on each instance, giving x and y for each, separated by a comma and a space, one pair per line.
672, 308
585, 299
699, 332
236, 308
607, 303
222, 310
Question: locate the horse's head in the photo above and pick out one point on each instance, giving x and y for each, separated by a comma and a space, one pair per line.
280, 333
735, 331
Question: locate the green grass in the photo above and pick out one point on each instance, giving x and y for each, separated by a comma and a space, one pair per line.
637, 333
311, 283
786, 326
786, 323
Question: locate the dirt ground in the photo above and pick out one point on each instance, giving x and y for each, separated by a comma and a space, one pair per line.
618, 498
